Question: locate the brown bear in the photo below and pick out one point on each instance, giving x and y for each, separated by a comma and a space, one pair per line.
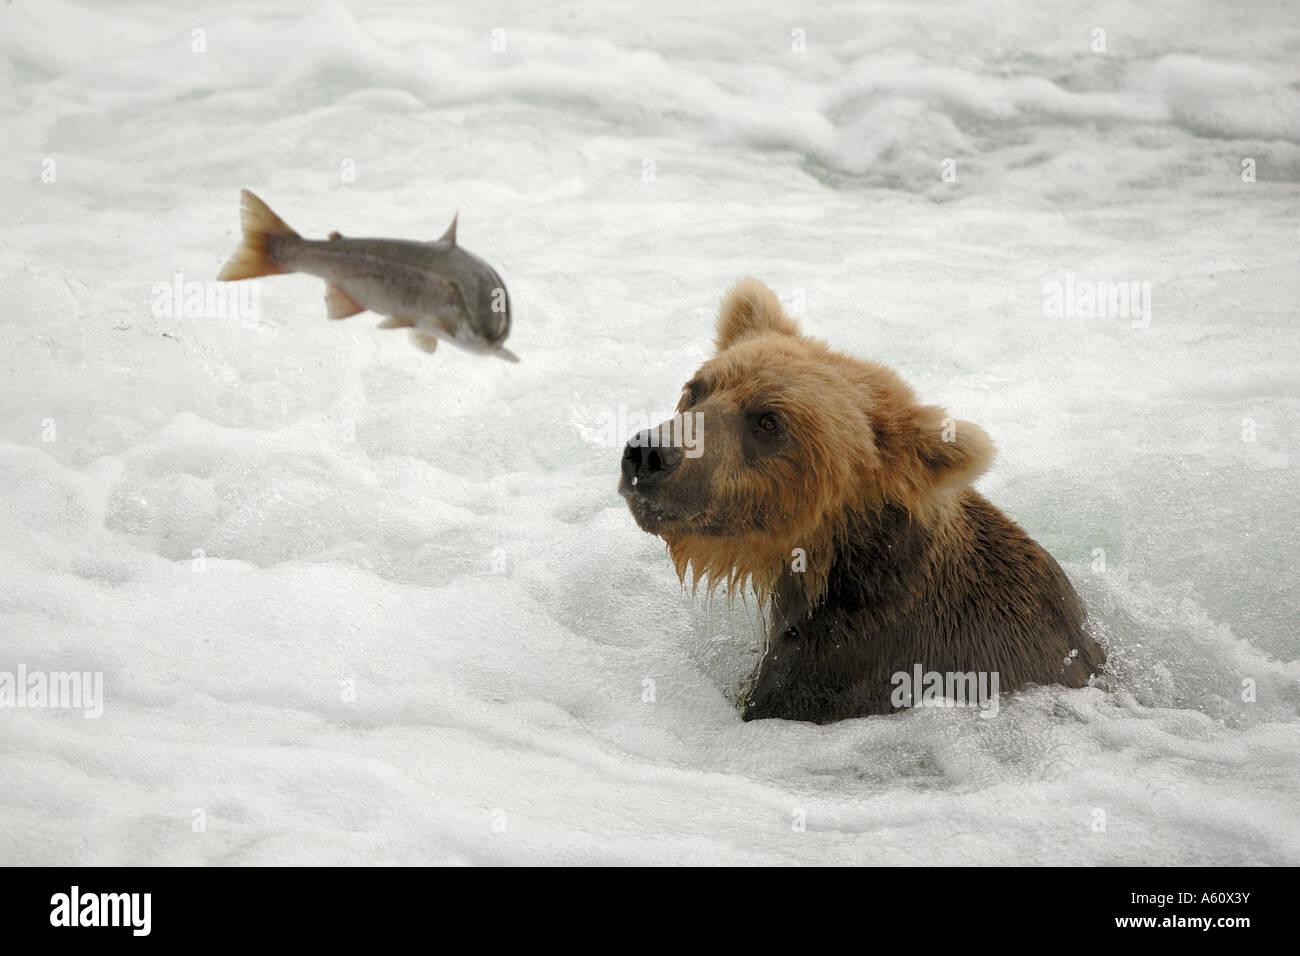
818, 479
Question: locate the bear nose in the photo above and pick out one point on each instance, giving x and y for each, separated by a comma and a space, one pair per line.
645, 464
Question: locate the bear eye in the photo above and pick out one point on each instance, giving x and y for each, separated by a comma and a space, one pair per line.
768, 422
691, 394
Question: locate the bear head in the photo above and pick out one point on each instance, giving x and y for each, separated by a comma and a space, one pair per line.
780, 445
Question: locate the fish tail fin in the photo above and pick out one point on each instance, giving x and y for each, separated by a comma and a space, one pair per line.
253, 257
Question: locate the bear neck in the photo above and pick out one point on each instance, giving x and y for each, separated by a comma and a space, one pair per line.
872, 566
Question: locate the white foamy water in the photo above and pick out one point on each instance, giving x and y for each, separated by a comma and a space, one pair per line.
355, 603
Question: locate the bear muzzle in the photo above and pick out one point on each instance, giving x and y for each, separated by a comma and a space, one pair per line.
647, 463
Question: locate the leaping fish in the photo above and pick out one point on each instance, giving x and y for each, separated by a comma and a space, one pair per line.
436, 289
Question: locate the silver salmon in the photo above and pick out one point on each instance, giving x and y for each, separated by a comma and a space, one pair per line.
436, 289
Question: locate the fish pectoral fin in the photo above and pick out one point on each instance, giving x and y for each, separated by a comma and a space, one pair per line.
506, 354
339, 304
446, 326
426, 343
396, 322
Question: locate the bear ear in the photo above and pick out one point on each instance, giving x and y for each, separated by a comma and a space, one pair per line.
953, 453
750, 308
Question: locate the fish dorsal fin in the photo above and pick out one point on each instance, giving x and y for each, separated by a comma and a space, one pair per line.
449, 236
335, 235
